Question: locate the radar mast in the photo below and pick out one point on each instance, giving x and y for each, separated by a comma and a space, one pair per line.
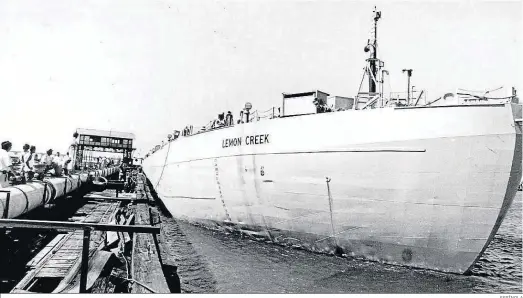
372, 71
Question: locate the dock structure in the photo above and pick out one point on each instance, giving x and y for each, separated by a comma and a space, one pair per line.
109, 245
52, 265
147, 265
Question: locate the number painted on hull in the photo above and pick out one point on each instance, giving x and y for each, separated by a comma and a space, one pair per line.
262, 171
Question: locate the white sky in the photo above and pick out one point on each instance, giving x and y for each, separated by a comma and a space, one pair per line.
150, 67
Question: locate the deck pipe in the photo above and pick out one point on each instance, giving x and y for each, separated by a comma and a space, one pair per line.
26, 197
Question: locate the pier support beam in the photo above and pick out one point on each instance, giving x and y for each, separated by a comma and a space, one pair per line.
146, 253
85, 261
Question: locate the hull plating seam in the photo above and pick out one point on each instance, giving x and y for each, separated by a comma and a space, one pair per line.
185, 197
304, 152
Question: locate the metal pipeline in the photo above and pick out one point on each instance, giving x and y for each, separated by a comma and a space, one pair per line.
26, 197
99, 183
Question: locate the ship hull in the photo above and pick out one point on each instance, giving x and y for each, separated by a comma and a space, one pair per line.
423, 187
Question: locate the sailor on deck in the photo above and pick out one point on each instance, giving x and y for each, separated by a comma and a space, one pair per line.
229, 119
240, 121
6, 165
221, 120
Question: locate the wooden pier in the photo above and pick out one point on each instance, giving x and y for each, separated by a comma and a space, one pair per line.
59, 257
93, 254
147, 263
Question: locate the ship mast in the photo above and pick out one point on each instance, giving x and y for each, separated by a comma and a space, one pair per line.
374, 53
373, 97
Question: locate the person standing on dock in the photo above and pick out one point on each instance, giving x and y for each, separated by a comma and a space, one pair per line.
29, 164
140, 180
6, 165
27, 160
123, 172
37, 158
68, 165
58, 164
48, 161
23, 160
72, 149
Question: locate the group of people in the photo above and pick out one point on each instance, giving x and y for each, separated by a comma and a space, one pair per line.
31, 164
103, 162
322, 107
56, 165
187, 131
223, 120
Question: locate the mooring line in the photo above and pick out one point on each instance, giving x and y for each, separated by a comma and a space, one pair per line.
164, 165
216, 173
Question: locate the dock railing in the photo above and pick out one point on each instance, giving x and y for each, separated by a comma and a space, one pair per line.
74, 226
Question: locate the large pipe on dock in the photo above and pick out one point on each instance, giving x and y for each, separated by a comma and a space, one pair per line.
26, 197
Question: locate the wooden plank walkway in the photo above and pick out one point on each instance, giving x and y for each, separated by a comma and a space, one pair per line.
58, 258
56, 267
59, 264
46, 251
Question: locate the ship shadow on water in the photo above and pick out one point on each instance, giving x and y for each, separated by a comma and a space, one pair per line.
246, 262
